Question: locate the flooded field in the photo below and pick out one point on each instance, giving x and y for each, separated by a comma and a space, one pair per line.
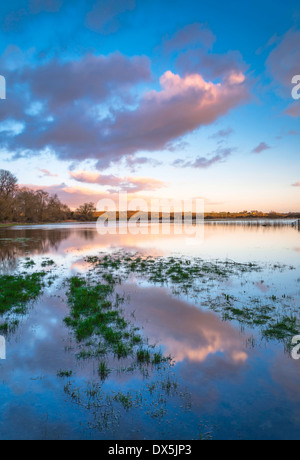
150, 336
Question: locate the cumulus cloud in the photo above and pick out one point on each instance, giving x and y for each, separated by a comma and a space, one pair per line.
90, 107
219, 156
182, 105
69, 121
193, 48
261, 148
200, 335
211, 65
93, 78
128, 184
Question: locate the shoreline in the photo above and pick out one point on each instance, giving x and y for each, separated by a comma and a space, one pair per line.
172, 220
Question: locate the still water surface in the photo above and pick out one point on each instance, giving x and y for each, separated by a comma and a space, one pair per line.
227, 382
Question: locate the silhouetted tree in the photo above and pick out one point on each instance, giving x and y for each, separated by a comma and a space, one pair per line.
8, 188
85, 212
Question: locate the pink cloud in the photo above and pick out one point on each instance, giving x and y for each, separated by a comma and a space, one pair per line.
48, 173
128, 184
293, 110
182, 105
69, 124
74, 196
261, 148
95, 178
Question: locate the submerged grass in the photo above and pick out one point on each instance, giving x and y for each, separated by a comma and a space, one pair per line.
193, 276
15, 292
98, 321
102, 330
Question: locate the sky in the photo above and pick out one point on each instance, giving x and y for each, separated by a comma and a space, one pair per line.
157, 98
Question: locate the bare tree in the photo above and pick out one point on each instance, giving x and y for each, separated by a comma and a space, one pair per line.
85, 212
8, 183
8, 188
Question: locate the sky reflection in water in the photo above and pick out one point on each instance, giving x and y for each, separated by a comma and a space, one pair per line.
236, 384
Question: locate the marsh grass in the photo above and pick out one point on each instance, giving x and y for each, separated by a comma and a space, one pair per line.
282, 328
15, 293
64, 374
47, 263
103, 370
103, 332
98, 321
194, 276
179, 271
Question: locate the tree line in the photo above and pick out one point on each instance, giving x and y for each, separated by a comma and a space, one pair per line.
23, 205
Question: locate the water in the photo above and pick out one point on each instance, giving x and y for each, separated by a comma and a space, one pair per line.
227, 382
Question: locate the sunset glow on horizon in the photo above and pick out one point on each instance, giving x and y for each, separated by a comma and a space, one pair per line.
198, 106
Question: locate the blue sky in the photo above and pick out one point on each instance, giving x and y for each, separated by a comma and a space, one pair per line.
156, 98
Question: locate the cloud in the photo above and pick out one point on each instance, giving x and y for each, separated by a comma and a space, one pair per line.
192, 35
48, 173
162, 117
219, 156
261, 148
222, 133
297, 184
201, 334
133, 163
91, 78
128, 184
293, 110
105, 15
193, 46
25, 8
210, 65
50, 6
83, 109
72, 196
95, 178
75, 196
283, 61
